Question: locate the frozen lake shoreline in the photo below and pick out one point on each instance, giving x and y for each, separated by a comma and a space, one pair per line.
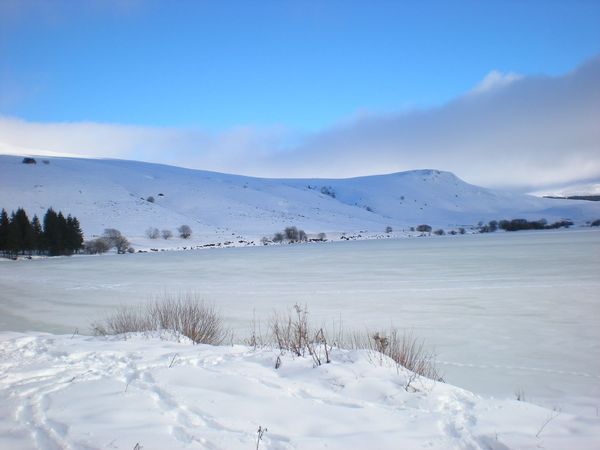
505, 312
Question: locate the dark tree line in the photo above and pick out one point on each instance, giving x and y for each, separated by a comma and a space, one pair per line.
55, 235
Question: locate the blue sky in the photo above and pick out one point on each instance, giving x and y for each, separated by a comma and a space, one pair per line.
301, 65
504, 94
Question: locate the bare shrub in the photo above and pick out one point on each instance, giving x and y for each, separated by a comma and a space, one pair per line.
152, 233
388, 229
166, 234
124, 320
278, 237
403, 348
292, 332
322, 236
96, 246
184, 314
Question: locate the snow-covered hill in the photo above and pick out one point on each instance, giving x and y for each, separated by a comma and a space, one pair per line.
113, 193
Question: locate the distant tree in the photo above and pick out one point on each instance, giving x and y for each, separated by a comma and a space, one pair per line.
461, 230
150, 199
595, 223
112, 235
152, 233
291, 233
53, 233
166, 234
74, 238
424, 228
265, 240
322, 236
439, 232
388, 229
122, 245
4, 227
96, 246
29, 161
302, 237
37, 234
184, 231
278, 237
114, 238
21, 233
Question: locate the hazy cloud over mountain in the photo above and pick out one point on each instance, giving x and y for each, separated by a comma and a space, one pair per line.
508, 131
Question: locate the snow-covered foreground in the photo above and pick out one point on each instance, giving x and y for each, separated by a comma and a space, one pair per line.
162, 392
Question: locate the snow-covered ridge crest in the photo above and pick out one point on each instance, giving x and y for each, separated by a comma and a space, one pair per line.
114, 194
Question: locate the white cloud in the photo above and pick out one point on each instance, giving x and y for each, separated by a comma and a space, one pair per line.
530, 133
495, 80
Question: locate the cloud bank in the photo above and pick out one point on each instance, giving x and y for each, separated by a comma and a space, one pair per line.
509, 131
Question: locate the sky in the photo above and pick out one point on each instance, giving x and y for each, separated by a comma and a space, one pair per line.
502, 93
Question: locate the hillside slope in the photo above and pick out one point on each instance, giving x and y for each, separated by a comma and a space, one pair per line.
113, 193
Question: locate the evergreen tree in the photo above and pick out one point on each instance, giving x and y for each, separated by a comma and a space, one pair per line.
57, 236
36, 229
52, 233
24, 230
63, 235
74, 241
14, 241
4, 225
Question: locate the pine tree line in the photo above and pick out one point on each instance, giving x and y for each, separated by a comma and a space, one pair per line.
56, 235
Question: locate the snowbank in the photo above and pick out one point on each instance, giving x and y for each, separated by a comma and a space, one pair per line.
162, 392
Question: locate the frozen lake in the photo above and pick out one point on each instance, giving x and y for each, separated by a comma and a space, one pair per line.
504, 312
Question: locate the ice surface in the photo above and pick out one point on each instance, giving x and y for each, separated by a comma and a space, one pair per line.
504, 312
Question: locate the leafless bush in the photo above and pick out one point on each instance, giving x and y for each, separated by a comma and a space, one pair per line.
96, 246
292, 332
403, 348
166, 234
124, 320
184, 314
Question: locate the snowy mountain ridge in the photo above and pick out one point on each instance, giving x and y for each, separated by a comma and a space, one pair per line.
115, 194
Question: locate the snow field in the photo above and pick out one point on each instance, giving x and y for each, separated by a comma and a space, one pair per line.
160, 391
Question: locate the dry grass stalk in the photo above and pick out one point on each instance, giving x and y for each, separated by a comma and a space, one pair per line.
184, 314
